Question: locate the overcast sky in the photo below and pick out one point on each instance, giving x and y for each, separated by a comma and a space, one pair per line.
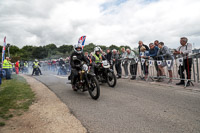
104, 22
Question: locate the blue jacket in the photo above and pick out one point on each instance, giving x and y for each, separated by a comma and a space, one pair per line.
153, 52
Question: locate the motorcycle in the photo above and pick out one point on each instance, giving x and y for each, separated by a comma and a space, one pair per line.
62, 70
105, 74
87, 81
36, 71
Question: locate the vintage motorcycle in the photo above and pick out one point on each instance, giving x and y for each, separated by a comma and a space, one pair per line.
105, 74
87, 81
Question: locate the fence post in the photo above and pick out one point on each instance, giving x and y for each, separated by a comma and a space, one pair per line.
197, 62
193, 69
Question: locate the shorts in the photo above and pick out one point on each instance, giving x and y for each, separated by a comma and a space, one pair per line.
169, 67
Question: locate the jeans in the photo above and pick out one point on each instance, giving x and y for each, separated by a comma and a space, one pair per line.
125, 66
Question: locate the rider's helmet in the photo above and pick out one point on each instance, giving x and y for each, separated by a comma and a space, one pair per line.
76, 47
97, 49
36, 60
61, 58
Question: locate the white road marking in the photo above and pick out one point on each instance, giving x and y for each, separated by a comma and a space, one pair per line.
60, 76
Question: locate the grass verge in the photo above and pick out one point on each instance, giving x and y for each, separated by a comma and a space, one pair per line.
15, 97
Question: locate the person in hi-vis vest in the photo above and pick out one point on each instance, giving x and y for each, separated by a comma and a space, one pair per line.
6, 67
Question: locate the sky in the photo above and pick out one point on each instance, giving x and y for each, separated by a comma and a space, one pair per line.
104, 22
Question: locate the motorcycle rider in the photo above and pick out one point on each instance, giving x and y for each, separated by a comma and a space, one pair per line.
97, 58
36, 64
60, 64
26, 66
75, 64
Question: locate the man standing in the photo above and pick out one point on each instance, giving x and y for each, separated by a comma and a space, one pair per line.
185, 50
17, 67
124, 61
117, 63
156, 42
133, 64
6, 67
153, 54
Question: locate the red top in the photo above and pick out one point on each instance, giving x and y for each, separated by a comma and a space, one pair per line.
17, 64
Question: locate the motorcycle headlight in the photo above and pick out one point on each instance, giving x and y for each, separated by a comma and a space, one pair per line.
85, 67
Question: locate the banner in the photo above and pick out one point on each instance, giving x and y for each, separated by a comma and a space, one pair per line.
3, 51
136, 59
159, 62
169, 62
142, 61
82, 40
180, 61
141, 53
151, 62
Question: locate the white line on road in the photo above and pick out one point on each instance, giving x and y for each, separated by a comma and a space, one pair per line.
59, 76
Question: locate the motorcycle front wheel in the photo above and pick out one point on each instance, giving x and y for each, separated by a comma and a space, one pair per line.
111, 79
94, 89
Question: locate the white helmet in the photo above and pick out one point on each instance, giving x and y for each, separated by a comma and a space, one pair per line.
97, 49
36, 60
76, 47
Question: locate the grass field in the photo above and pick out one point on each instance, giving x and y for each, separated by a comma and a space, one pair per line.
15, 97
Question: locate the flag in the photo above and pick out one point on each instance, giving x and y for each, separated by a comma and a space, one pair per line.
82, 40
3, 50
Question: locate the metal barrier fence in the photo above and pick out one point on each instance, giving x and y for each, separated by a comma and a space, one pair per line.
152, 72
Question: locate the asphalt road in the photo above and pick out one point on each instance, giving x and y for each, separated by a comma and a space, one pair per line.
131, 107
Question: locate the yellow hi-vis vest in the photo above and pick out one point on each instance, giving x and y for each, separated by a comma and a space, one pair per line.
5, 64
97, 59
10, 64
36, 64
26, 64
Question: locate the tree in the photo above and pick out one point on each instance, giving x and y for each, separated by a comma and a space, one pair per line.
114, 47
14, 50
39, 52
89, 48
65, 48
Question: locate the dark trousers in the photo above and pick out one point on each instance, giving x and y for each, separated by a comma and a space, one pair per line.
145, 68
34, 69
187, 65
74, 76
133, 70
118, 69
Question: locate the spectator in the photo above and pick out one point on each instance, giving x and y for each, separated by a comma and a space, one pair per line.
6, 68
184, 51
87, 57
156, 42
133, 65
153, 54
141, 44
144, 65
17, 67
165, 53
117, 63
125, 61
143, 51
108, 55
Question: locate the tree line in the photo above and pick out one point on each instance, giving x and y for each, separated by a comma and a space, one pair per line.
50, 51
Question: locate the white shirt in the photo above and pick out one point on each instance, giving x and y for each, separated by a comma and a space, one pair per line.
187, 49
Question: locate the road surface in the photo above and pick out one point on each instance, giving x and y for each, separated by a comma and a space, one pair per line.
131, 107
